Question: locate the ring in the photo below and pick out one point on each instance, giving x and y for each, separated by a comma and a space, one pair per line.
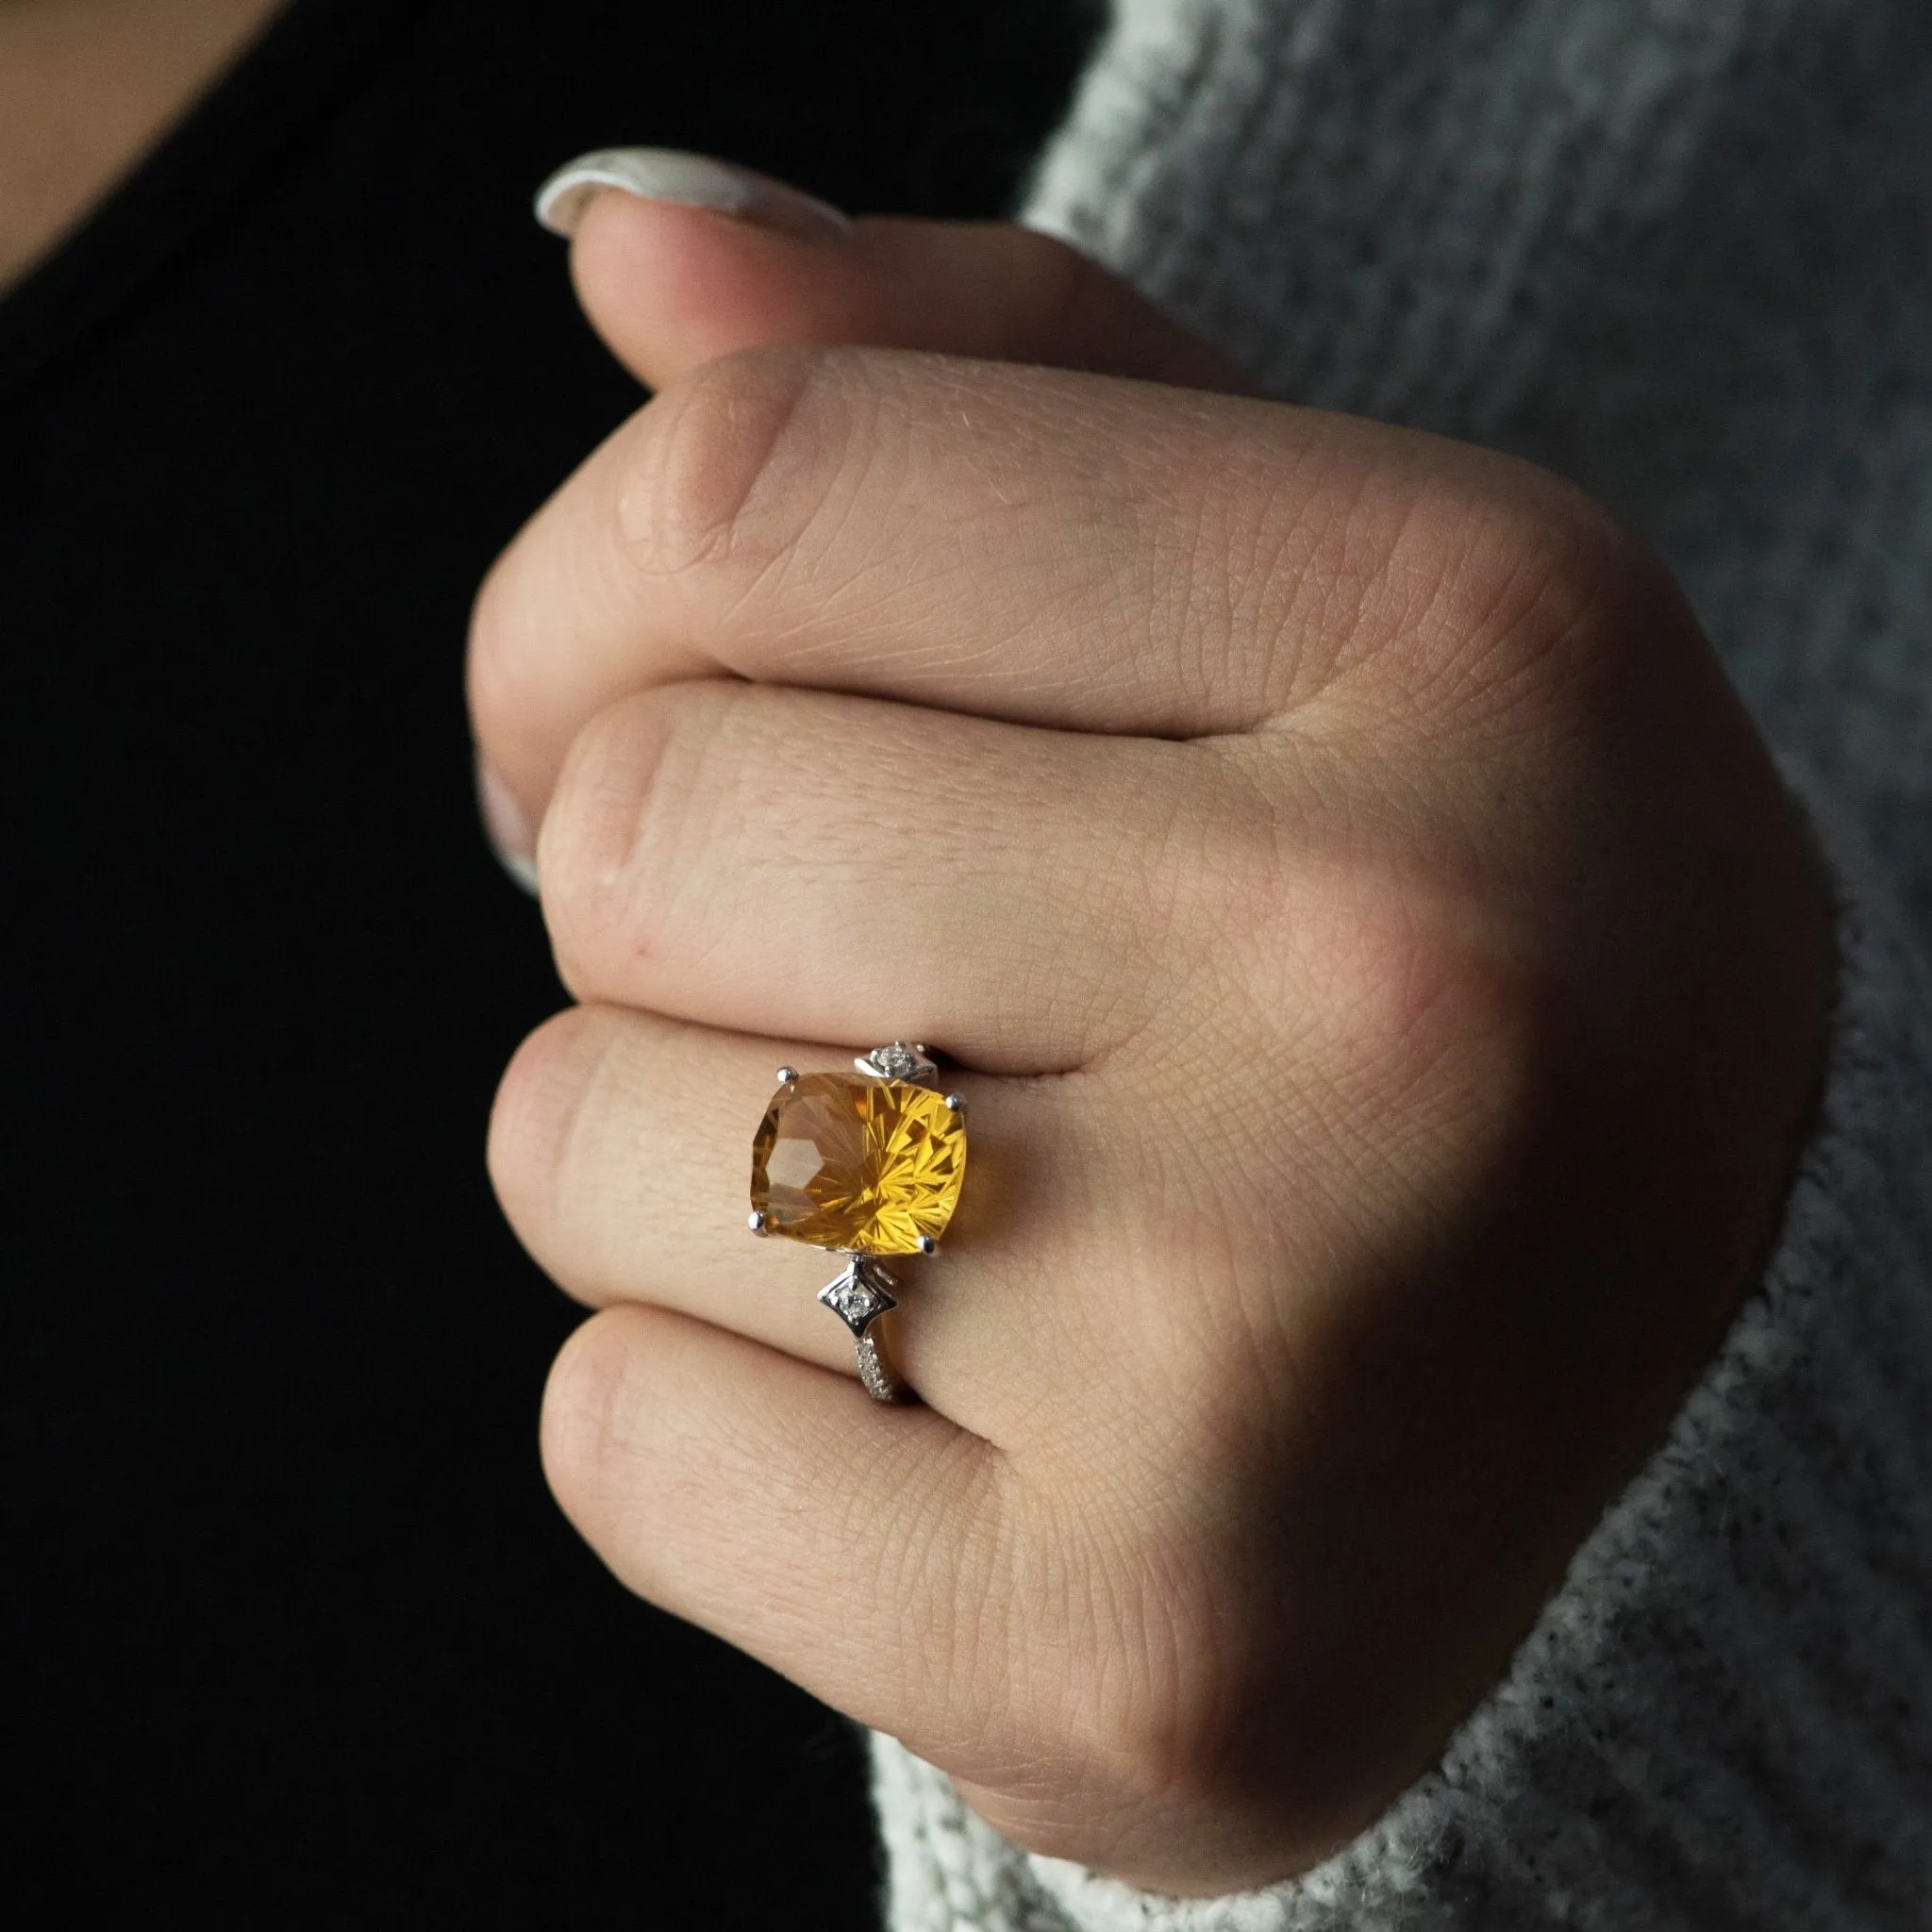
864, 1166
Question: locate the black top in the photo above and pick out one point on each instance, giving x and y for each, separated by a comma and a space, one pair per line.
294, 1632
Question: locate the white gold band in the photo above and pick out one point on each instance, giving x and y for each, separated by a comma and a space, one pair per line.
859, 1297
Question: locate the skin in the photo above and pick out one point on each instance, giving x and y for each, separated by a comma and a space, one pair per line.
87, 87
1388, 978
1391, 980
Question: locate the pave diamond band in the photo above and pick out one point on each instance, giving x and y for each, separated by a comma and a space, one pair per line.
864, 1165
858, 1298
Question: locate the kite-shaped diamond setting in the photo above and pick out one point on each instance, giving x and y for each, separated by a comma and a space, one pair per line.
861, 1295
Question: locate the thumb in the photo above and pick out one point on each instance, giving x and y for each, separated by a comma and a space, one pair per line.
679, 259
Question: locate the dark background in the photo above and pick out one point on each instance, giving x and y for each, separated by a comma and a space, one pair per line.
293, 1633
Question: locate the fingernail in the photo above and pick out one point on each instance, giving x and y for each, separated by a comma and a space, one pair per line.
507, 829
685, 180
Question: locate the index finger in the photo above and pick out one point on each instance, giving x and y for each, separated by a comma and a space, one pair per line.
1037, 545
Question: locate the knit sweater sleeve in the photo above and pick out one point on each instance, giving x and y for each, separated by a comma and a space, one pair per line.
1724, 1718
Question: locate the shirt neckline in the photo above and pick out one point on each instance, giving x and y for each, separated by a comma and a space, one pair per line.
228, 149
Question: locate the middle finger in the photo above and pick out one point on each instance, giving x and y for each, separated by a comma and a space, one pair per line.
805, 865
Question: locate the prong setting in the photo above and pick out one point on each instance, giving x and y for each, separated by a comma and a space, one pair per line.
860, 1167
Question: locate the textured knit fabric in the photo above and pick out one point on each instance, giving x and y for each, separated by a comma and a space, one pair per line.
1680, 250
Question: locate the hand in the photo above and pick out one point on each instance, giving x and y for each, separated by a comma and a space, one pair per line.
1392, 982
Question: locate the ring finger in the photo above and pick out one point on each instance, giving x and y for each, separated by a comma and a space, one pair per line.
620, 1146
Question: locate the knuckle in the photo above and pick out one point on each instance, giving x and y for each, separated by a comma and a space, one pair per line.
487, 663
531, 1124
1161, 1699
511, 670
1425, 1008
1165, 1737
624, 840
1512, 579
584, 1432
1144, 1705
726, 463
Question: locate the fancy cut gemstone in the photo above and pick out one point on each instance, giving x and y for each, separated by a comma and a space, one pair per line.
867, 1165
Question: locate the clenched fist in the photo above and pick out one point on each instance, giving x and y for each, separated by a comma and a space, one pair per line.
1387, 975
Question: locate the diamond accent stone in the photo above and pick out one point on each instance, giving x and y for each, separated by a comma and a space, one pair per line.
880, 1383
861, 1295
899, 1063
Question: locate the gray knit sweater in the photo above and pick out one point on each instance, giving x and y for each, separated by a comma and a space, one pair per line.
1680, 250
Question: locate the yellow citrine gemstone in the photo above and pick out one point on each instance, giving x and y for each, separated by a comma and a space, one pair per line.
869, 1165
